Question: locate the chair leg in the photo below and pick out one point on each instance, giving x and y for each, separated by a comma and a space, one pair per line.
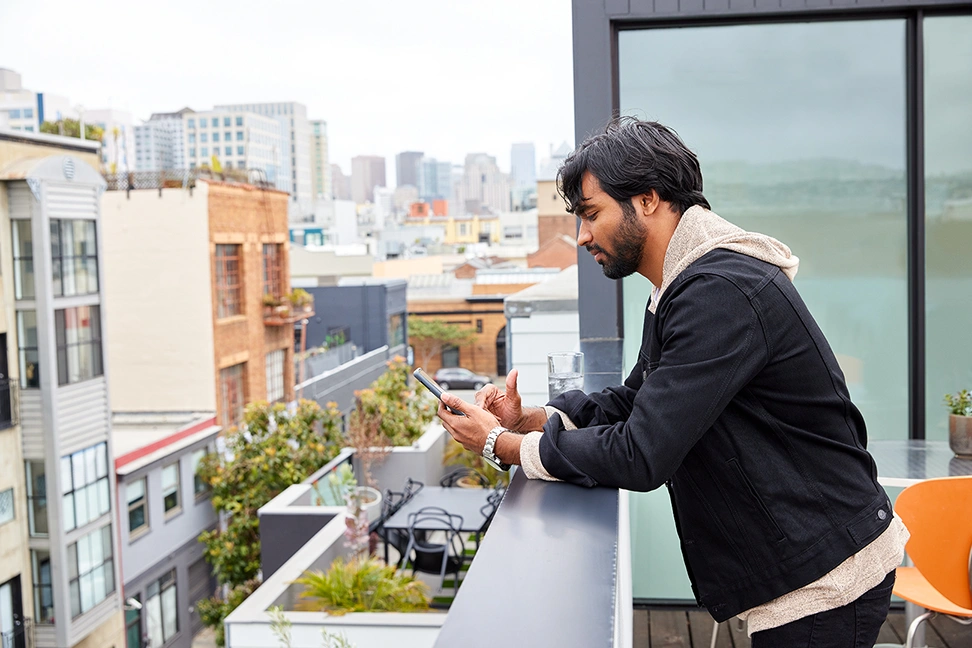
715, 634
914, 628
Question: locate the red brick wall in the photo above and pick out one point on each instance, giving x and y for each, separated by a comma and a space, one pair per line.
480, 354
248, 216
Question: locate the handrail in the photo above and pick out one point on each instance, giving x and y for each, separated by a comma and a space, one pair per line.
550, 571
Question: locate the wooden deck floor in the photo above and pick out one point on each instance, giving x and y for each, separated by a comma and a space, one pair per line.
669, 628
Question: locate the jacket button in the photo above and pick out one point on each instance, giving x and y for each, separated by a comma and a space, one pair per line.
882, 514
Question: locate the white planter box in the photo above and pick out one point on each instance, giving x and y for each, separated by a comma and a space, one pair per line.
422, 461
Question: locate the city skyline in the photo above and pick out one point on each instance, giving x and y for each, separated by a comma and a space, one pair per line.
477, 105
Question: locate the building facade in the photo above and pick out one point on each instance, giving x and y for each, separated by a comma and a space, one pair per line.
295, 154
160, 143
51, 210
25, 109
367, 172
484, 187
340, 184
165, 508
319, 164
435, 180
238, 140
523, 174
407, 165
211, 347
866, 176
118, 151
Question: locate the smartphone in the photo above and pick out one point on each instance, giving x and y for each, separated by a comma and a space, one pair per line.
433, 387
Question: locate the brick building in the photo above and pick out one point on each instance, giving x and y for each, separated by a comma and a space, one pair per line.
552, 216
187, 270
558, 251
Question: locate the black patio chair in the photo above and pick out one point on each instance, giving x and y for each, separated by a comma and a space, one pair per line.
489, 510
431, 557
390, 504
411, 488
471, 476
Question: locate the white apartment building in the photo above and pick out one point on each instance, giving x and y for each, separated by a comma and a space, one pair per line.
239, 140
320, 164
25, 109
118, 141
160, 142
296, 154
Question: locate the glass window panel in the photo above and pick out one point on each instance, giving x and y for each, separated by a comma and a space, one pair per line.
68, 511
97, 548
75, 599
84, 554
66, 482
87, 592
77, 468
135, 490
72, 555
89, 465
98, 584
106, 540
808, 146
81, 507
101, 460
948, 214
94, 503
104, 502
153, 618
109, 569
169, 612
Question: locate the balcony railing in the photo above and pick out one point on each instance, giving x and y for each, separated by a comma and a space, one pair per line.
22, 635
9, 403
283, 316
182, 178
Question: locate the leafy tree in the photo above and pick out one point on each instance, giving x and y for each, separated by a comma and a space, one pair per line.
431, 336
274, 449
72, 128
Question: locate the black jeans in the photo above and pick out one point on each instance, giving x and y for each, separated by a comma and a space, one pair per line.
854, 625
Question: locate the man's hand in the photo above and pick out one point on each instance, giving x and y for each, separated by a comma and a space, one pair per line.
470, 430
506, 406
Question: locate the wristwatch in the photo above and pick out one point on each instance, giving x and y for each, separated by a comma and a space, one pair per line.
489, 453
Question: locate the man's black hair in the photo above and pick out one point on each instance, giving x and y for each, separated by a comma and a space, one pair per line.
630, 158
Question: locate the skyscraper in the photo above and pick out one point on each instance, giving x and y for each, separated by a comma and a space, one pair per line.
435, 179
340, 184
523, 163
160, 142
367, 172
295, 152
320, 168
484, 186
407, 168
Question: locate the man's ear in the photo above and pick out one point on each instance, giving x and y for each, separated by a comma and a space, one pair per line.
647, 203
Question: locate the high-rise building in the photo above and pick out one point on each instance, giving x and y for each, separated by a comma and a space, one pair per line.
118, 148
435, 179
63, 455
320, 168
295, 155
160, 142
26, 109
484, 186
523, 165
238, 140
367, 172
340, 184
407, 168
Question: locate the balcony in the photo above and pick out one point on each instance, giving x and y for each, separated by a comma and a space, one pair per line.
21, 636
284, 315
9, 404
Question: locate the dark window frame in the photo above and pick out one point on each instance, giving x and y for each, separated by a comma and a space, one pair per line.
229, 280
66, 373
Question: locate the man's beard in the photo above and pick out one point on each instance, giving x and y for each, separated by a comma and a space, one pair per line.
628, 243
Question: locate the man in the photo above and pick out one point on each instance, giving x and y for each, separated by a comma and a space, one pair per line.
737, 405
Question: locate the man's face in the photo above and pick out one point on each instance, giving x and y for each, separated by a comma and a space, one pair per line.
612, 232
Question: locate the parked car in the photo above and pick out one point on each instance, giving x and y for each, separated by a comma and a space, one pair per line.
459, 378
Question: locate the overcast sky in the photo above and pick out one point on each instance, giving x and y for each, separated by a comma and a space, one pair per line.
441, 76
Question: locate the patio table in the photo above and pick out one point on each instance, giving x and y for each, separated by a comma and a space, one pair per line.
458, 501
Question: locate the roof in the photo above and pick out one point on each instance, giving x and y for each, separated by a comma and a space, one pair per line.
53, 168
438, 286
141, 438
559, 294
44, 139
370, 281
515, 275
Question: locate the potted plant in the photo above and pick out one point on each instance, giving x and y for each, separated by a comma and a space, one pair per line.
269, 304
362, 584
301, 300
960, 422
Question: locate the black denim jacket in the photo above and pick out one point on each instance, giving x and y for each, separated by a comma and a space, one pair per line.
738, 405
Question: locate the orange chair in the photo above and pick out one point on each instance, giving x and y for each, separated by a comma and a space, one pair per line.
938, 513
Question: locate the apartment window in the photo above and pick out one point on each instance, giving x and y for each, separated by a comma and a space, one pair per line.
23, 258
15, 113
275, 375
239, 121
84, 486
205, 151
227, 136
191, 123
229, 150
171, 501
272, 273
192, 138
78, 333
6, 506
204, 137
396, 330
215, 137
232, 396
27, 339
29, 114
91, 574
215, 122
37, 498
137, 507
462, 229
161, 610
228, 289
29, 128
239, 136
74, 255
133, 625
239, 150
227, 121
192, 152
199, 485
40, 563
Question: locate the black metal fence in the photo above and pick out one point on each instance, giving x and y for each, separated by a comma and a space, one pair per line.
21, 636
9, 403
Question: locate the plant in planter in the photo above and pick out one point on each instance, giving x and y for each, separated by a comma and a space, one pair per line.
960, 422
270, 302
362, 502
300, 300
363, 584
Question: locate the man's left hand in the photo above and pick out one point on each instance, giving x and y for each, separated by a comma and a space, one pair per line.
470, 430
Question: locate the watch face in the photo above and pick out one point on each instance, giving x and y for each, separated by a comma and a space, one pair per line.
492, 463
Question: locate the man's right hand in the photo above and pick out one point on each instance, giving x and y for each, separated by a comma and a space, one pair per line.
506, 406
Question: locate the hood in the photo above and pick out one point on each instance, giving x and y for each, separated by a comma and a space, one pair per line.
700, 231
